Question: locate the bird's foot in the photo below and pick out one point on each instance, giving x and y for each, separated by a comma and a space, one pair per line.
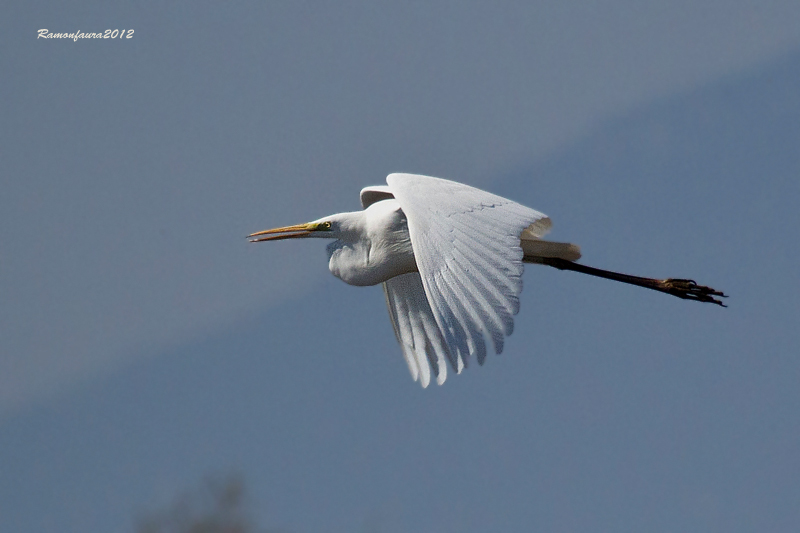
688, 289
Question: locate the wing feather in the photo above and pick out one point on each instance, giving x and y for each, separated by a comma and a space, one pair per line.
451, 328
415, 327
469, 303
483, 258
491, 301
467, 247
399, 315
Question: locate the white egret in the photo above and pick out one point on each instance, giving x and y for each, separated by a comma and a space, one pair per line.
450, 258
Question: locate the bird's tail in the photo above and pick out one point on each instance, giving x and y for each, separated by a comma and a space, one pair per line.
535, 250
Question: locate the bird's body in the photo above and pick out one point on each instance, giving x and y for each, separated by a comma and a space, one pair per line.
450, 258
373, 245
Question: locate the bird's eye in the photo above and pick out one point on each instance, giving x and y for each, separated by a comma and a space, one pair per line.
325, 225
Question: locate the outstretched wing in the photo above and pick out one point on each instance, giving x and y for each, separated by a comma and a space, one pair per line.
467, 247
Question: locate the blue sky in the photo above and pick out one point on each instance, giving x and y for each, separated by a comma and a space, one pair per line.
145, 344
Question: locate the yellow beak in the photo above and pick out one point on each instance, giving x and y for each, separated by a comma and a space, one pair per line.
286, 232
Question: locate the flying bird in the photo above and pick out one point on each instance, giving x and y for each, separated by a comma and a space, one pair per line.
450, 259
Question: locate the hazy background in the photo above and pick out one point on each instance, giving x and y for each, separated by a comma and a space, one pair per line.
144, 343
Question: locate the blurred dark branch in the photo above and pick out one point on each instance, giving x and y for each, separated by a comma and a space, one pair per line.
216, 507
